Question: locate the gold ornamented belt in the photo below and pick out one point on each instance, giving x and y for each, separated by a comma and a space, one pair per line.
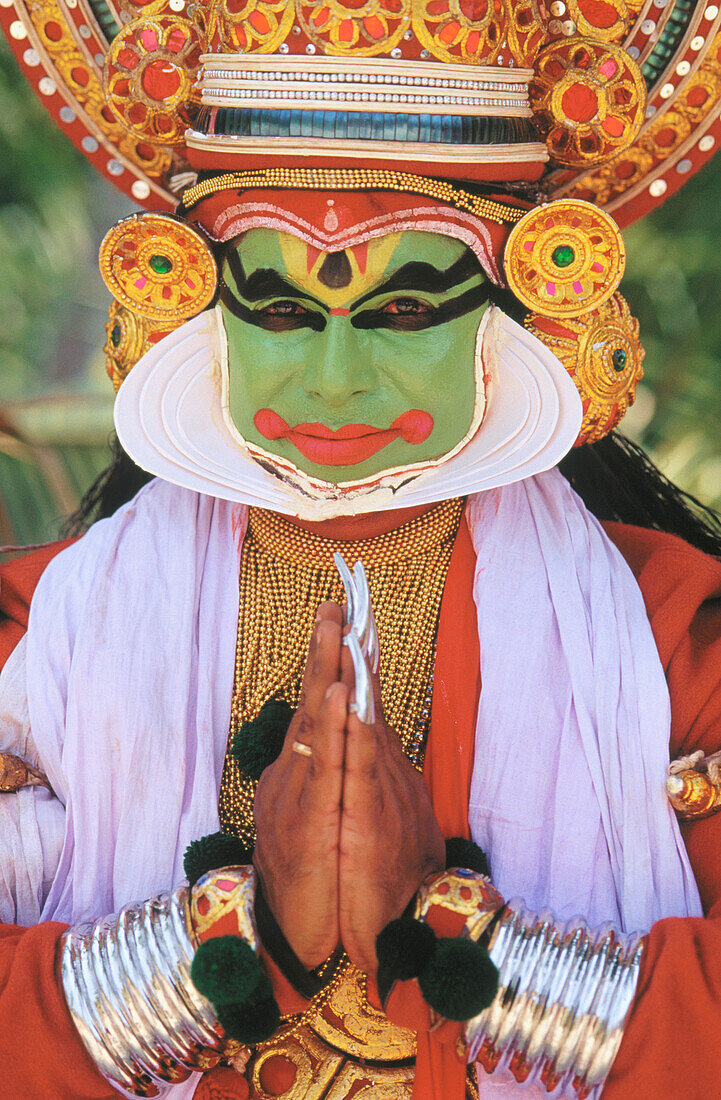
347, 1048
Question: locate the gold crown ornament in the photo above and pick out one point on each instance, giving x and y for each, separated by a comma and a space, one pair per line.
468, 81
609, 101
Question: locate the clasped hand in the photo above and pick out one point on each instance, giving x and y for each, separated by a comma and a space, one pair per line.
345, 836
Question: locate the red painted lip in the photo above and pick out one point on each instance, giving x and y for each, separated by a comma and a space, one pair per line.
347, 445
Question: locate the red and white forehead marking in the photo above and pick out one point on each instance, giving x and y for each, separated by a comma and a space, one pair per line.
331, 223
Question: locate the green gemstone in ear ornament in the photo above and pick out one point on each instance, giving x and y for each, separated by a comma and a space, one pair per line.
562, 256
161, 265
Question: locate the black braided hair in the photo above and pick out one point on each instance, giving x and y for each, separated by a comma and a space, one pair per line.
615, 479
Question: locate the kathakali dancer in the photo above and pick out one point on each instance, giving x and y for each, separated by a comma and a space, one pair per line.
336, 755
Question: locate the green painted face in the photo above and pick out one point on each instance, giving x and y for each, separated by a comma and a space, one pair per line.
350, 363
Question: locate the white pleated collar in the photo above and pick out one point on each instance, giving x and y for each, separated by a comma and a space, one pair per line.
172, 418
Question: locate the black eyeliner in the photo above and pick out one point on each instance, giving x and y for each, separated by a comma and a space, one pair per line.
417, 322
425, 278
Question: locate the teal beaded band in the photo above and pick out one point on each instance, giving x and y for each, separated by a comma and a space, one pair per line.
365, 126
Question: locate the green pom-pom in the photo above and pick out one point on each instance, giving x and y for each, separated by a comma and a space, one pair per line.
250, 1023
226, 970
214, 851
460, 979
404, 948
464, 853
258, 743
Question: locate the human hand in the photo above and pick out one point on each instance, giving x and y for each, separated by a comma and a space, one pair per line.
390, 840
298, 805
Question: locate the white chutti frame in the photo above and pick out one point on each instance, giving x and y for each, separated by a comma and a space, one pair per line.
172, 418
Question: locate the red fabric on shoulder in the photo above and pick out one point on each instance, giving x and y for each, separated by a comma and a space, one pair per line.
18, 580
41, 1053
670, 1046
681, 587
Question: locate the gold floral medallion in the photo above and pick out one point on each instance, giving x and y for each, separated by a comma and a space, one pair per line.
589, 99
565, 258
149, 77
159, 267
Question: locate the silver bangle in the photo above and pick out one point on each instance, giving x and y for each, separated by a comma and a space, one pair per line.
127, 984
564, 995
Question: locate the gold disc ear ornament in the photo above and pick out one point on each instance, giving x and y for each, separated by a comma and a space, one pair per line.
603, 356
159, 267
127, 338
564, 258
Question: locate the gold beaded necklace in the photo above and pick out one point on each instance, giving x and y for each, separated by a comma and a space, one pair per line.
285, 573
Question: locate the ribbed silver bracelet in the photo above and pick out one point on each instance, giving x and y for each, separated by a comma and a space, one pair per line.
564, 995
127, 984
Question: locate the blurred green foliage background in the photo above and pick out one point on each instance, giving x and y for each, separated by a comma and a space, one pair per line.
55, 401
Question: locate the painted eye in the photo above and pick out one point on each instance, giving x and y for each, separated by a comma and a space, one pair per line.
407, 307
285, 308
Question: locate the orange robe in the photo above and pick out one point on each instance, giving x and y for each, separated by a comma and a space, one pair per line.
670, 1045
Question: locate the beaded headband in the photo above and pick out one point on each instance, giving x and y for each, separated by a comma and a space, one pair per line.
358, 179
476, 119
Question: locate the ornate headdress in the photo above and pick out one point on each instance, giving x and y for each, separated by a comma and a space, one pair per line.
536, 118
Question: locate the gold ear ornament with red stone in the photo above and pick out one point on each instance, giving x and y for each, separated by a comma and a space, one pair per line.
149, 77
588, 99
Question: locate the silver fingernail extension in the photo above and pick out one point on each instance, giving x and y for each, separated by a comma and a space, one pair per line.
365, 703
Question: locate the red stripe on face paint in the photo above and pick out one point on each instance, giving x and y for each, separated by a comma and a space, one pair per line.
360, 251
339, 312
311, 255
